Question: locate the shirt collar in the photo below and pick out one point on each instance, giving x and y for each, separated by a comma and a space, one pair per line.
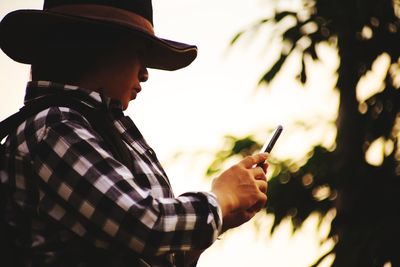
37, 89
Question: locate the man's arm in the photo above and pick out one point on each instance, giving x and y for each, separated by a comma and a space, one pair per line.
93, 190
241, 194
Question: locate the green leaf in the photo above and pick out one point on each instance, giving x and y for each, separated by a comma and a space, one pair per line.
269, 75
236, 37
303, 75
311, 51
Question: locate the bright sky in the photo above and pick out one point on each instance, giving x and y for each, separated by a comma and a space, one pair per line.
190, 110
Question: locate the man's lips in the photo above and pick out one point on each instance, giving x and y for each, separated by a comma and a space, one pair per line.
135, 91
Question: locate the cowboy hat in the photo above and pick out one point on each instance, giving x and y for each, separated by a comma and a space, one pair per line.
26, 35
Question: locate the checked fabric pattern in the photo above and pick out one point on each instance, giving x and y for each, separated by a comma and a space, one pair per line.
69, 188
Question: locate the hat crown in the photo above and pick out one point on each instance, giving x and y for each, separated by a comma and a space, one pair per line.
141, 7
28, 35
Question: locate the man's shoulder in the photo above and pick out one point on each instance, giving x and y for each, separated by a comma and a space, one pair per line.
35, 127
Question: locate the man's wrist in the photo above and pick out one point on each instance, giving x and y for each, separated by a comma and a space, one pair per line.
223, 203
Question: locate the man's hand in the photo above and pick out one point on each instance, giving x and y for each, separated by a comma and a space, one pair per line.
241, 190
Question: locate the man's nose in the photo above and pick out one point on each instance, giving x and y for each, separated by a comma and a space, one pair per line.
143, 75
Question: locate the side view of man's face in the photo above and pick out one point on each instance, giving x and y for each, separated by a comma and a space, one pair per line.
113, 67
118, 73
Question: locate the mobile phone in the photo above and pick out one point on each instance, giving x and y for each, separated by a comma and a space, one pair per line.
267, 147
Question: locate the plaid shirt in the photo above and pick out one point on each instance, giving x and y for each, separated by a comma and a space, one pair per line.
72, 195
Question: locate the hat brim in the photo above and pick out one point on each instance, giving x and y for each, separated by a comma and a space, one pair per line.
25, 36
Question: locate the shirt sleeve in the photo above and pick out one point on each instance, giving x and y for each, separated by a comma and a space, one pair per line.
85, 189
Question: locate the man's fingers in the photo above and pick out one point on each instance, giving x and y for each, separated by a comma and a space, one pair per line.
265, 167
259, 174
262, 185
249, 161
262, 200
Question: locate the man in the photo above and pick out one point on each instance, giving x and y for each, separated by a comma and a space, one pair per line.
75, 203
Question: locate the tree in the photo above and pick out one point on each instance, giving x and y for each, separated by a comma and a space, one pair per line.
366, 198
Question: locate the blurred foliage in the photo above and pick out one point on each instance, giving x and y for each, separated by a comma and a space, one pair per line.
243, 146
366, 198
